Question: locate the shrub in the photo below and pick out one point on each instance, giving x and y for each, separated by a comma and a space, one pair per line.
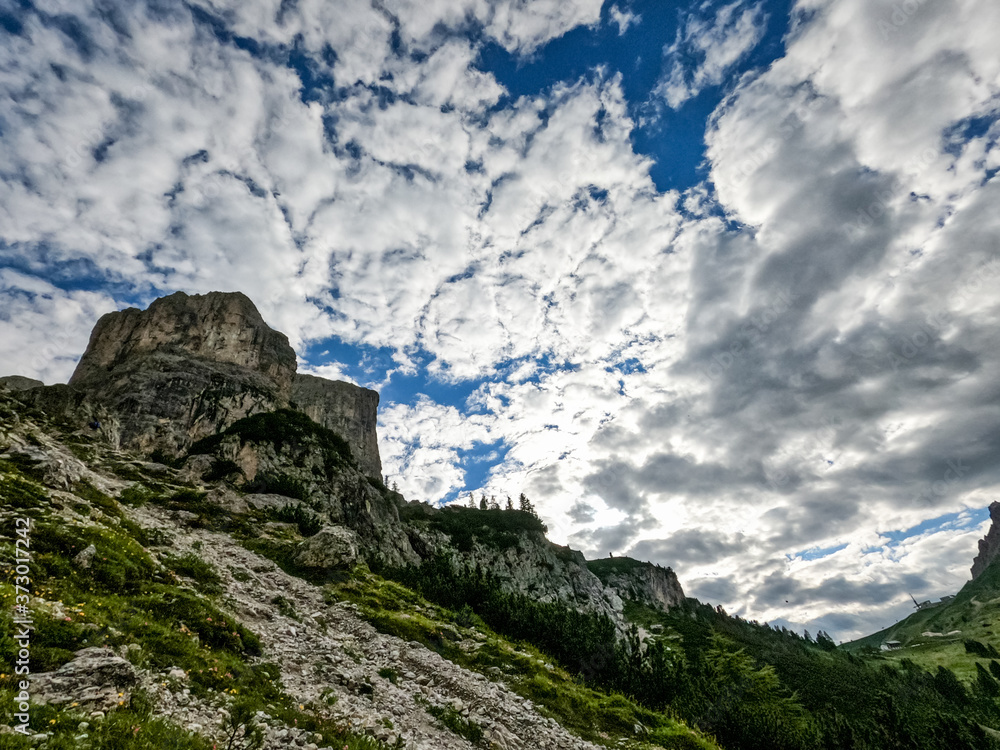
308, 522
192, 566
283, 428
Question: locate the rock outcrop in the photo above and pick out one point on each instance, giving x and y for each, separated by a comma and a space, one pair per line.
189, 366
96, 679
989, 547
19, 383
652, 585
185, 368
332, 547
348, 410
215, 327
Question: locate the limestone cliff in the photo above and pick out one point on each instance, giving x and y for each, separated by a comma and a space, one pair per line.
188, 367
215, 327
652, 585
347, 409
184, 368
989, 546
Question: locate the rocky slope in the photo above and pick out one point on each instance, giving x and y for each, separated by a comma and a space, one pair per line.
989, 546
162, 615
651, 585
202, 380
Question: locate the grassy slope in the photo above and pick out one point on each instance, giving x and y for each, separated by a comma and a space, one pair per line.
975, 611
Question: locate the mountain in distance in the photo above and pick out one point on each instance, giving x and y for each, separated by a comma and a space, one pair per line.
958, 632
217, 563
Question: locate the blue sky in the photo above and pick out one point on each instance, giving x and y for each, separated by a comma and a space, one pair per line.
711, 281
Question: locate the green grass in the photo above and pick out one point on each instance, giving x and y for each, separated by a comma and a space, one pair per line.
20, 493
975, 612
191, 566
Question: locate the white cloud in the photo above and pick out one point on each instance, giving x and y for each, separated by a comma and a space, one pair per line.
623, 19
707, 49
43, 329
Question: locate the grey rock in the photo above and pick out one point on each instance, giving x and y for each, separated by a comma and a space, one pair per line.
85, 557
332, 547
989, 546
96, 679
349, 410
19, 383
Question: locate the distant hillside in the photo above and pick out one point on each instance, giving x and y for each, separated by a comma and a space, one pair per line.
938, 635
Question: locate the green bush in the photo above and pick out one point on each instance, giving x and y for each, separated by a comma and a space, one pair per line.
192, 566
496, 528
309, 523
20, 493
283, 429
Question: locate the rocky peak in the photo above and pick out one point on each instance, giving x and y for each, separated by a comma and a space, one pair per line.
989, 546
190, 366
348, 410
218, 326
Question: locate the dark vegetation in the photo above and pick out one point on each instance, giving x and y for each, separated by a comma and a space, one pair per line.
497, 528
285, 430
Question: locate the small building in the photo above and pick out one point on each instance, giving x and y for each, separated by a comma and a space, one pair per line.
891, 646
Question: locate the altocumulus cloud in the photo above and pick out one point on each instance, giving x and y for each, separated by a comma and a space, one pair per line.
756, 380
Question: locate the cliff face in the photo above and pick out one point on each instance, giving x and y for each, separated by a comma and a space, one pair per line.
349, 410
643, 582
189, 366
215, 327
989, 547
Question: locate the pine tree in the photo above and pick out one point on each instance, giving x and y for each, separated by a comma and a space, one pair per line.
494, 505
986, 685
524, 504
472, 500
482, 502
510, 504
995, 668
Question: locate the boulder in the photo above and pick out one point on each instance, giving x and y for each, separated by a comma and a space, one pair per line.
85, 557
332, 547
95, 679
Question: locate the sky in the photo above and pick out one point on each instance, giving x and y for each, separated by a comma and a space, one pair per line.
713, 283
